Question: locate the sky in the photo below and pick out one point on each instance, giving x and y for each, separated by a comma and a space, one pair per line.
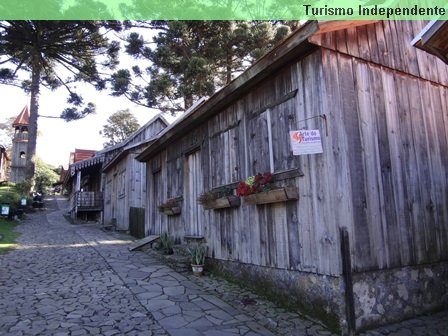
57, 137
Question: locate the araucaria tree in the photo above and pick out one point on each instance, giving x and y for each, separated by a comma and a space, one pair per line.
191, 59
54, 54
119, 126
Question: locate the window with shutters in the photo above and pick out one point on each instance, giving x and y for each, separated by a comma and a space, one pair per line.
268, 142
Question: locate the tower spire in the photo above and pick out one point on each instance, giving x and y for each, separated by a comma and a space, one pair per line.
23, 119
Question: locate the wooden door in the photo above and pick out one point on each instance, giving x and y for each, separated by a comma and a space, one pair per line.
193, 188
114, 197
107, 217
121, 211
137, 222
157, 199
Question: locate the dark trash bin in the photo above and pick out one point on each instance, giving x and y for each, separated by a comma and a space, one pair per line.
38, 201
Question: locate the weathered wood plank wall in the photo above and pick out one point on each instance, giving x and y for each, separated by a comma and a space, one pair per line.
136, 180
148, 131
234, 144
397, 124
125, 183
382, 174
387, 43
116, 196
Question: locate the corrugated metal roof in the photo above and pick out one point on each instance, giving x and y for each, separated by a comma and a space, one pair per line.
93, 161
23, 119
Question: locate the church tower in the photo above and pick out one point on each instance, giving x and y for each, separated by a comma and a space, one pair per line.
19, 146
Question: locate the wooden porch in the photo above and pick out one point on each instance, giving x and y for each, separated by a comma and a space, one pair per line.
88, 201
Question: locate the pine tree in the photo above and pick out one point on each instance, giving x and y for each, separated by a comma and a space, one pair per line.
120, 125
54, 54
192, 59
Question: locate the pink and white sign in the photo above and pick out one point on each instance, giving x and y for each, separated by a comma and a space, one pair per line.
306, 142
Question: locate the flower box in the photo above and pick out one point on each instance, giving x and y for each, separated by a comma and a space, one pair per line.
272, 196
171, 206
223, 202
172, 211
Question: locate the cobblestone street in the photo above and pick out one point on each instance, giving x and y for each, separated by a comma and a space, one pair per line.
68, 279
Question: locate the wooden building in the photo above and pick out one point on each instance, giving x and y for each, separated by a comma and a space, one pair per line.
369, 230
124, 180
83, 184
104, 184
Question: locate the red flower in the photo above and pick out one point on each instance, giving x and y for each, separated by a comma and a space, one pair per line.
243, 189
261, 183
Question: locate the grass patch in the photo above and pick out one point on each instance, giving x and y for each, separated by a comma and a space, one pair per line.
7, 230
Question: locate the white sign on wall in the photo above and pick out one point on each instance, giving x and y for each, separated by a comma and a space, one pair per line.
306, 142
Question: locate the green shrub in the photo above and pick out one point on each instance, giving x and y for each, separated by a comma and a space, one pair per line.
166, 243
10, 194
23, 187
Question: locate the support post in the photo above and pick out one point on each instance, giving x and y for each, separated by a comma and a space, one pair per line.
348, 281
78, 181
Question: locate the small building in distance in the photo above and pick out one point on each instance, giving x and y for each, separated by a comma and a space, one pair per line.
124, 180
108, 184
83, 184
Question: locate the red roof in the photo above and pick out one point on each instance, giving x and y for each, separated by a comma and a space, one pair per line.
81, 154
23, 119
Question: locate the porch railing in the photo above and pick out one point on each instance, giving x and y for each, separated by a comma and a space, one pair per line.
89, 201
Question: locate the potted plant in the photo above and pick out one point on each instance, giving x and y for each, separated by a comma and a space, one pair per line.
218, 199
171, 206
197, 254
259, 189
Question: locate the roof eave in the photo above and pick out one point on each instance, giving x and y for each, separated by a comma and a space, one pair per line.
434, 39
125, 152
134, 134
294, 46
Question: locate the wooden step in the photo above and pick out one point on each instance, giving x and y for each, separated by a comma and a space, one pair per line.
142, 242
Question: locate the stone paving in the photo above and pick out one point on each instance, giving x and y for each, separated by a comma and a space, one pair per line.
283, 322
56, 284
78, 280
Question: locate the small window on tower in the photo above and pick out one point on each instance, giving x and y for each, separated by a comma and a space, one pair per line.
22, 155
